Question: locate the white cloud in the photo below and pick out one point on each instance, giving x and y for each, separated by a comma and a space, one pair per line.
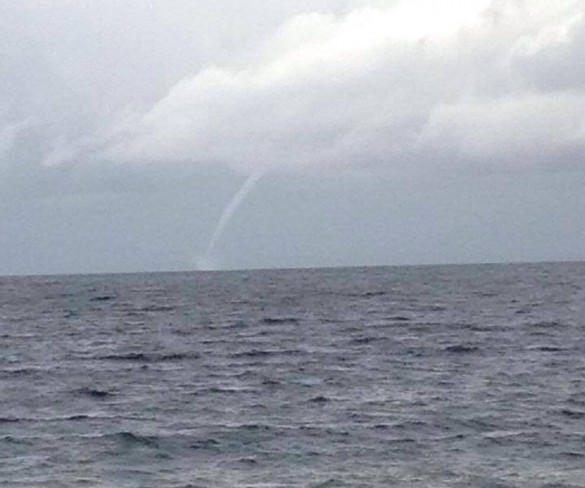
375, 85
383, 84
515, 131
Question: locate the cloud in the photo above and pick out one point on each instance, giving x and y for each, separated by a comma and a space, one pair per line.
391, 86
513, 132
382, 86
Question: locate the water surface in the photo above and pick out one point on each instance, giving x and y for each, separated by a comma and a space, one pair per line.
447, 376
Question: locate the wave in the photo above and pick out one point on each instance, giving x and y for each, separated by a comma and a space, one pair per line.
219, 389
205, 444
461, 349
280, 320
93, 393
147, 357
330, 483
258, 353
365, 340
156, 308
399, 318
547, 348
548, 324
319, 399
73, 417
10, 420
366, 294
128, 438
573, 414
9, 439
102, 298
25, 371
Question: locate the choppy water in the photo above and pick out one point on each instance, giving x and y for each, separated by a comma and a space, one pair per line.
452, 376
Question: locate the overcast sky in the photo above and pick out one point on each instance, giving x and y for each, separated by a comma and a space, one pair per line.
176, 134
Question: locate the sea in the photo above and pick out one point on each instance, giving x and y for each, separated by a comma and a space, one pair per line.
424, 376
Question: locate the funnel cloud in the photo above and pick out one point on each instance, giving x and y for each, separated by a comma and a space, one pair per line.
227, 215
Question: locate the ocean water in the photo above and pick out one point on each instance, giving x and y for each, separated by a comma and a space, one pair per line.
447, 376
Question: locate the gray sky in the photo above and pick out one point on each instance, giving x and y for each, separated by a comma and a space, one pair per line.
370, 132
